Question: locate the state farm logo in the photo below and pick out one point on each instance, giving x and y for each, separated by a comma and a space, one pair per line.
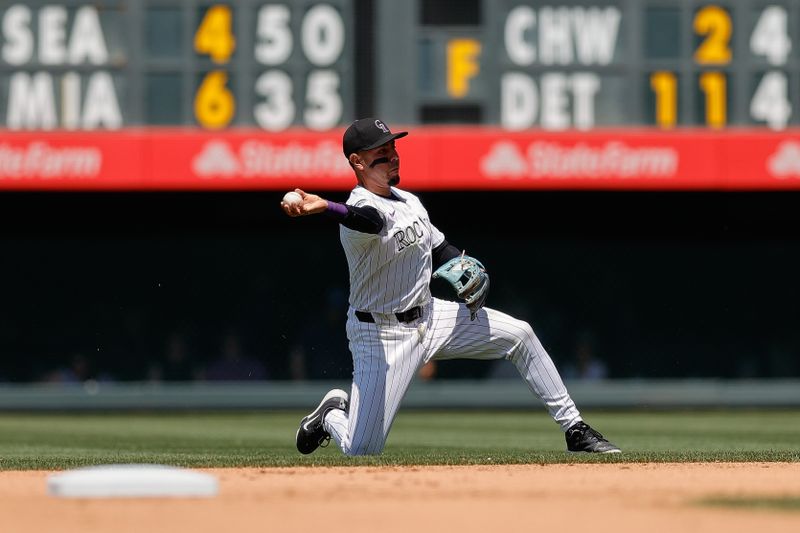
545, 159
216, 158
263, 159
39, 160
785, 162
504, 159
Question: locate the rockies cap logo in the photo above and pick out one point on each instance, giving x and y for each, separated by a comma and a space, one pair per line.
381, 126
366, 134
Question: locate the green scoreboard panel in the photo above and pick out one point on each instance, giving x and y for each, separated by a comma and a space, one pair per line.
77, 64
585, 64
518, 64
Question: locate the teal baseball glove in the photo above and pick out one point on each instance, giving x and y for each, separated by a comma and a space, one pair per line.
469, 279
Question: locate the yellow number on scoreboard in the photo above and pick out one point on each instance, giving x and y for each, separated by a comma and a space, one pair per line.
214, 36
715, 23
714, 87
665, 86
214, 104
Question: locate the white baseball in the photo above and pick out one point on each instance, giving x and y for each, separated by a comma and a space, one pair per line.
292, 198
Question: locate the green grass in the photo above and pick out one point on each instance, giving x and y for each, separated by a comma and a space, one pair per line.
58, 441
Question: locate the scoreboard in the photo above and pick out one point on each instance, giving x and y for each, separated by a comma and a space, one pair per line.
558, 65
200, 94
519, 64
74, 64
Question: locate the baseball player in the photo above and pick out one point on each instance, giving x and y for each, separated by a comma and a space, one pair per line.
395, 326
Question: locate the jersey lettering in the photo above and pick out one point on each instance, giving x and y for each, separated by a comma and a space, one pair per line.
408, 236
390, 271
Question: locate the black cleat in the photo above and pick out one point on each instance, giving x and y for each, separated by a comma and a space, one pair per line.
311, 435
582, 438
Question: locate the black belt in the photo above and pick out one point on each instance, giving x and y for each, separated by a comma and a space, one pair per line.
406, 316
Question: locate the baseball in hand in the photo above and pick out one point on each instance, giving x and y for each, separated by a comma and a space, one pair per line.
291, 198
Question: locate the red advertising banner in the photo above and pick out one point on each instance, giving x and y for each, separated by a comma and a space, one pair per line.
432, 158
71, 161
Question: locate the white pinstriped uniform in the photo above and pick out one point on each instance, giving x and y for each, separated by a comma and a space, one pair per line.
390, 272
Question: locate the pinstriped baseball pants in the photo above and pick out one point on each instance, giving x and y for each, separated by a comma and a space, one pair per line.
387, 355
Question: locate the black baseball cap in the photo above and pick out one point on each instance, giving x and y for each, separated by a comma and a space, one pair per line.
366, 134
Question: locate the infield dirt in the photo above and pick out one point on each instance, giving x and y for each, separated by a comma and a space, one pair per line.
594, 497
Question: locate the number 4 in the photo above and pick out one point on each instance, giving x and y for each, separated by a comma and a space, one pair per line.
214, 36
770, 102
770, 37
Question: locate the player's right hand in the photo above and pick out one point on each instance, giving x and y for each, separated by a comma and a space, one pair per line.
310, 205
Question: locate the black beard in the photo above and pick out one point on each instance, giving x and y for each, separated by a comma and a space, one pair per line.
394, 180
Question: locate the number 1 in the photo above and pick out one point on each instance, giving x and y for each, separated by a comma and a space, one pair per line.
714, 86
665, 86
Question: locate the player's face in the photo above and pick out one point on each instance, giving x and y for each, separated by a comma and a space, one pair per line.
382, 164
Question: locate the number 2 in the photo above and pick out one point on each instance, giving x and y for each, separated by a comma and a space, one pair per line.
715, 23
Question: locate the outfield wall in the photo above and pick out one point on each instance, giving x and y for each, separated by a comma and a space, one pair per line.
637, 394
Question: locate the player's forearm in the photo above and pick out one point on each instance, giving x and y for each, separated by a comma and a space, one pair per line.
365, 219
443, 253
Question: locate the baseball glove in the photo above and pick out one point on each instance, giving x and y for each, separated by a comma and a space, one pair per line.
469, 279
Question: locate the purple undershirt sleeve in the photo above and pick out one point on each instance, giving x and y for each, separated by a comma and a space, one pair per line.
365, 219
337, 210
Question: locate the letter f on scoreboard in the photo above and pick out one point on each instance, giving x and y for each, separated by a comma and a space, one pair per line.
462, 64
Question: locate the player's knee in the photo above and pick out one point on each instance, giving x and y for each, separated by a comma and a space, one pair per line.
360, 452
522, 335
523, 332
363, 448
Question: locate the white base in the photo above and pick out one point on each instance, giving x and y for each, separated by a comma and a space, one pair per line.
131, 481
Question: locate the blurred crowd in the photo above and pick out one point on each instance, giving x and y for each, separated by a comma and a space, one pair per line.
316, 350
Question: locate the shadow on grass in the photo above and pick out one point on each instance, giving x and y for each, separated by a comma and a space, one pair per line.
776, 503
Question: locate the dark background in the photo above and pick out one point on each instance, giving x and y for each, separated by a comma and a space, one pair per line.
105, 285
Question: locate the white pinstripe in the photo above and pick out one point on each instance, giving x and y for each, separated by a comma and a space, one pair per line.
381, 278
387, 354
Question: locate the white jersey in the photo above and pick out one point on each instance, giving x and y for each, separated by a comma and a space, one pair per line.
390, 272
